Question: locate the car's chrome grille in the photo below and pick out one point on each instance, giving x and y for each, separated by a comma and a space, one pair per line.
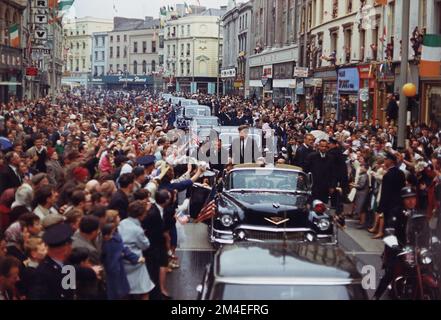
273, 236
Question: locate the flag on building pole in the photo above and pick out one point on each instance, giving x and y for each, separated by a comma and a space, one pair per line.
14, 36
64, 5
430, 65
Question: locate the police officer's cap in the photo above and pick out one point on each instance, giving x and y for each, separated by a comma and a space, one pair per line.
146, 160
58, 235
407, 192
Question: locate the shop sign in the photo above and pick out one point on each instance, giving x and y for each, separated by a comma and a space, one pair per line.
364, 94
128, 79
228, 73
348, 80
267, 71
10, 59
32, 72
301, 72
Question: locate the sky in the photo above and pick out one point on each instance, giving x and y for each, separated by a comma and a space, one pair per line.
130, 8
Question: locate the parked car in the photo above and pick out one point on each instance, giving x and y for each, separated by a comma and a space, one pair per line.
281, 271
261, 203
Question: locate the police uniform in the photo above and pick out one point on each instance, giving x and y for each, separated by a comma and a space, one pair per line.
48, 284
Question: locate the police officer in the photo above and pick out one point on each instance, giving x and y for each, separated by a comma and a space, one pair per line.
54, 280
398, 221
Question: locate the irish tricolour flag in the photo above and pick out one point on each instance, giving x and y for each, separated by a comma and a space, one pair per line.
14, 36
431, 56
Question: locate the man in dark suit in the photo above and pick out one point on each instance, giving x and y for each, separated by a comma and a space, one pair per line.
393, 181
340, 174
244, 149
156, 255
304, 151
120, 199
320, 164
9, 176
51, 283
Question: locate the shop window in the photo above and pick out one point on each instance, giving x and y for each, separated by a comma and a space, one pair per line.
135, 67
153, 66
144, 67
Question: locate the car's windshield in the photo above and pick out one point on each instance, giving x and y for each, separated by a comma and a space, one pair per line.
193, 112
267, 179
287, 292
207, 122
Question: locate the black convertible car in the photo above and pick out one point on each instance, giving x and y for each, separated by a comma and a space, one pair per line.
269, 203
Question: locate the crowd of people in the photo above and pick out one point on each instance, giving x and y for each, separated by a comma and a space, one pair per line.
95, 181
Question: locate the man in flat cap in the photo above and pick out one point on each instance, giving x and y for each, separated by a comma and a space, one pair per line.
49, 281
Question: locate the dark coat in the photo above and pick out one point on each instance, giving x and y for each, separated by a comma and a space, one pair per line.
113, 254
251, 152
393, 181
8, 179
48, 283
302, 155
120, 202
339, 167
322, 175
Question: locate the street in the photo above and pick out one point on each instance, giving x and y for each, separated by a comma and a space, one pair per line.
195, 253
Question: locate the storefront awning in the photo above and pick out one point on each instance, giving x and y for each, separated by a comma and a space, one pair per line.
11, 83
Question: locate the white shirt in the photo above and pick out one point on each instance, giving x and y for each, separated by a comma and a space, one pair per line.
161, 210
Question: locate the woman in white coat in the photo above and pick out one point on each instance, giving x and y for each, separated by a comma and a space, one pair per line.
134, 238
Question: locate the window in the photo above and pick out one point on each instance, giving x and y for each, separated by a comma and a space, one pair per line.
153, 66
118, 38
362, 44
125, 67
153, 46
322, 10
349, 6
71, 65
125, 51
144, 47
188, 30
102, 55
182, 50
188, 49
182, 30
117, 68
161, 42
71, 45
168, 49
188, 68
117, 52
135, 67
111, 39
96, 55
246, 21
84, 45
111, 52
334, 9
84, 63
174, 50
135, 47
84, 32
182, 68
144, 67
125, 38
78, 46
348, 44
96, 41
95, 73
111, 67
423, 14
77, 64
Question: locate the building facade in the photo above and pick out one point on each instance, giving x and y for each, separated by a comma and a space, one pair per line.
78, 43
11, 57
192, 52
274, 30
100, 47
236, 32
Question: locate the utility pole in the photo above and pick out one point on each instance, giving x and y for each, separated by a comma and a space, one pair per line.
218, 56
402, 118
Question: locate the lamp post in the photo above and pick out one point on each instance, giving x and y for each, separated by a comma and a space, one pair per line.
194, 58
402, 117
218, 56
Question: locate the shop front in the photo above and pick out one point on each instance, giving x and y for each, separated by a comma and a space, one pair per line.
184, 85
326, 96
128, 82
11, 74
348, 85
255, 84
385, 78
228, 77
283, 83
431, 100
367, 108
